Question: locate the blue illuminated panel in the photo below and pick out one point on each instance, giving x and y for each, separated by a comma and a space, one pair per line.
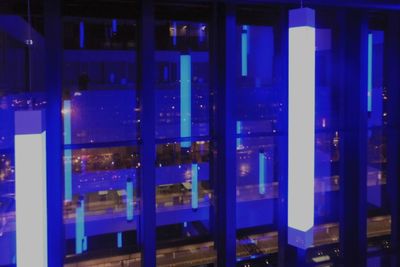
186, 99
30, 188
261, 172
67, 152
81, 34
195, 186
370, 50
129, 200
301, 127
119, 240
238, 131
80, 239
244, 49
114, 26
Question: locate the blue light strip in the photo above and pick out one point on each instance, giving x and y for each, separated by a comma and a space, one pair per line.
129, 200
195, 188
244, 50
238, 131
81, 34
30, 189
80, 239
261, 172
301, 127
67, 152
114, 26
119, 240
186, 99
370, 55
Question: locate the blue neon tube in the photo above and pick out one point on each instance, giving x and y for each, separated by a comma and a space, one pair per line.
261, 172
81, 34
119, 240
67, 152
80, 239
195, 188
129, 200
370, 55
244, 49
186, 99
238, 131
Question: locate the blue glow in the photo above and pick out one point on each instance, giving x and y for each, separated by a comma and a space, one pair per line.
67, 152
301, 126
119, 240
238, 131
81, 34
129, 200
261, 172
30, 192
174, 33
195, 189
114, 26
80, 239
370, 50
186, 99
244, 50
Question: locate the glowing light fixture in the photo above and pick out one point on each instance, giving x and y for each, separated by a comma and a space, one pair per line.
114, 26
186, 99
244, 49
129, 200
30, 188
238, 131
67, 152
119, 240
81, 34
301, 127
80, 239
370, 55
195, 188
261, 172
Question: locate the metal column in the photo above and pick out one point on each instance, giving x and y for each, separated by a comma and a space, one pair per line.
352, 70
55, 183
224, 138
392, 128
146, 86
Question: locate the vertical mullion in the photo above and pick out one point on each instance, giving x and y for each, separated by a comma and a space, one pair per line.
353, 75
392, 129
224, 142
55, 187
146, 82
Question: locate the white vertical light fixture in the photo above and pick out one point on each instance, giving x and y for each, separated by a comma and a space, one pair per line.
30, 188
301, 127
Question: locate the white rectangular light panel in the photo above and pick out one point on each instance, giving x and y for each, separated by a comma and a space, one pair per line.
30, 189
301, 126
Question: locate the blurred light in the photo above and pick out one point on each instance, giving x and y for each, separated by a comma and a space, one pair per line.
244, 50
261, 172
81, 34
370, 50
30, 189
238, 131
67, 152
119, 240
80, 239
114, 26
186, 98
129, 200
301, 126
195, 191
